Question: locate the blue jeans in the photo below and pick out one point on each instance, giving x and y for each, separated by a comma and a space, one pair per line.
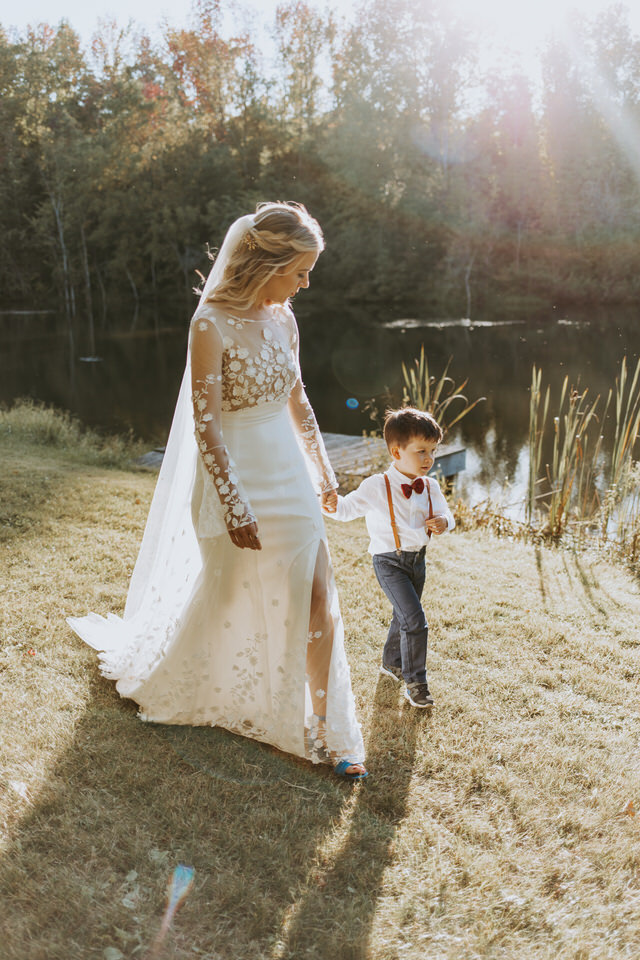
402, 576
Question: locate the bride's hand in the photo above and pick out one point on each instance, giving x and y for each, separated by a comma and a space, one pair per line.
246, 537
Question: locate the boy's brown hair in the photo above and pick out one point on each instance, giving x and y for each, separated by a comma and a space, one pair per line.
401, 426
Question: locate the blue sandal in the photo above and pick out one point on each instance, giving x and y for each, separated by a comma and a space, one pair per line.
342, 767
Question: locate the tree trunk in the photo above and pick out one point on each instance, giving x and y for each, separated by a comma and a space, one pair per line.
518, 244
103, 297
154, 290
67, 288
467, 283
87, 283
134, 322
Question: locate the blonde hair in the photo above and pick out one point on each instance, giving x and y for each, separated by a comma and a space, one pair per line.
280, 235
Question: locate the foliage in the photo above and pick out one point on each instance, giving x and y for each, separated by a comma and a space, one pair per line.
591, 481
439, 189
425, 391
570, 437
537, 421
627, 406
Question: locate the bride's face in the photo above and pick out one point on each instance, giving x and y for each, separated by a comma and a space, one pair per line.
284, 285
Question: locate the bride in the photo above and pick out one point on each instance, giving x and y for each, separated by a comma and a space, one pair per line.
232, 616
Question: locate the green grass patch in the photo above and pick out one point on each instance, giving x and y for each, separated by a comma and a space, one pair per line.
499, 826
28, 423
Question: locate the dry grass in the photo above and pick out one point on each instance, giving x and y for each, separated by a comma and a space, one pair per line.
494, 828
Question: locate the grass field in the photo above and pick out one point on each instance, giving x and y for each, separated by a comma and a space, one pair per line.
502, 825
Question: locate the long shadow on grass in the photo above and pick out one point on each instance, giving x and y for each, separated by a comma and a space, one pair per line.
89, 861
539, 567
334, 918
588, 583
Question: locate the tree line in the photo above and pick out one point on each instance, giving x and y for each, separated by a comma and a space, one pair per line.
442, 187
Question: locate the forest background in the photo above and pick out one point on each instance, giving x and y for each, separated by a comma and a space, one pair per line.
441, 185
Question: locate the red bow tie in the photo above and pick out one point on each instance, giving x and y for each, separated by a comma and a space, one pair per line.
408, 488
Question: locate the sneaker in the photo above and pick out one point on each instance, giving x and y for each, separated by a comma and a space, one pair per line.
418, 695
394, 672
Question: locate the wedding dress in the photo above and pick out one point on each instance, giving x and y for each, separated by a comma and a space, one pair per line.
249, 640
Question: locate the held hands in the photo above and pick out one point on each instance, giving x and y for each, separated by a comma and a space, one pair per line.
437, 525
329, 501
246, 537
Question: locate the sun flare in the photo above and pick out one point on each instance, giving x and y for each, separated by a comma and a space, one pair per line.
518, 30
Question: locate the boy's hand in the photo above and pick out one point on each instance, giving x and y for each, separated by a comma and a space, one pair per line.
437, 525
329, 501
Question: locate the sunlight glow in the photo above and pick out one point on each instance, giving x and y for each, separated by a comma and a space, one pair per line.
512, 30
508, 32
621, 120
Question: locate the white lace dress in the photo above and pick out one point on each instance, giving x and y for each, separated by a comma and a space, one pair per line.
249, 640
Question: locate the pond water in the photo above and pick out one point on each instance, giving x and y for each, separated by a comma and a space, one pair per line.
348, 357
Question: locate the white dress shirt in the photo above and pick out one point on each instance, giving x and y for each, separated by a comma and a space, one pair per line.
370, 501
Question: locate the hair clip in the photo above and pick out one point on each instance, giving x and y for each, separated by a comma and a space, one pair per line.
250, 240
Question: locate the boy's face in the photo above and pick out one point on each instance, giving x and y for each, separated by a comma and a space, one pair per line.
416, 458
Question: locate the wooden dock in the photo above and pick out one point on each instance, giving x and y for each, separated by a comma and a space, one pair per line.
353, 458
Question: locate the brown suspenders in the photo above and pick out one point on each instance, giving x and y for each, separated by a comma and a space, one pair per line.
394, 525
430, 504
392, 515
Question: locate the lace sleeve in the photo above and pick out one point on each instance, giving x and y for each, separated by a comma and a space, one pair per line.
206, 382
306, 426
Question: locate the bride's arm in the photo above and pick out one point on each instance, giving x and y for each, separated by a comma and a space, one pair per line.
206, 384
306, 425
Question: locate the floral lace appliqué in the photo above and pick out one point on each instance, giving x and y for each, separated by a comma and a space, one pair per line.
236, 510
253, 377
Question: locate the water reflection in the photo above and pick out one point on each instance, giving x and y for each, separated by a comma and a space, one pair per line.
418, 323
133, 387
348, 354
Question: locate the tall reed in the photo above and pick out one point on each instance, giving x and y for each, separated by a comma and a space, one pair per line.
625, 528
585, 487
434, 394
537, 421
587, 496
620, 516
570, 442
627, 422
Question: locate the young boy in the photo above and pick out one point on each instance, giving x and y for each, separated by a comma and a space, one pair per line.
402, 508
